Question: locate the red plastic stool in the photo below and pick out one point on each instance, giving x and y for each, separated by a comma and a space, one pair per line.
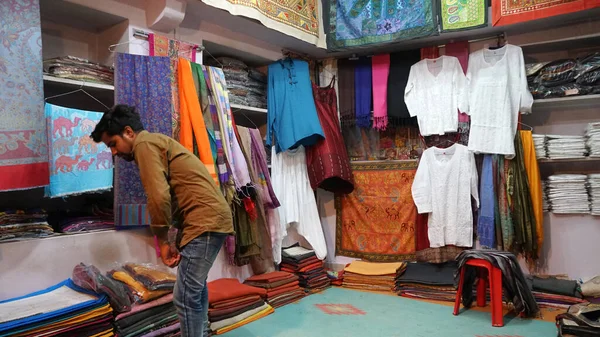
493, 276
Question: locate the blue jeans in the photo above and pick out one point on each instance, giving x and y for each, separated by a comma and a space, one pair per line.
190, 295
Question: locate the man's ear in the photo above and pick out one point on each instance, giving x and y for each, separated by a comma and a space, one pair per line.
128, 131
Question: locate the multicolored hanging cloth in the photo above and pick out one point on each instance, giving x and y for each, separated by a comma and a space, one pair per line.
458, 15
77, 163
163, 46
508, 12
23, 142
358, 23
151, 95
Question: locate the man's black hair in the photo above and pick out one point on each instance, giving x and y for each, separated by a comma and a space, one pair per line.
115, 120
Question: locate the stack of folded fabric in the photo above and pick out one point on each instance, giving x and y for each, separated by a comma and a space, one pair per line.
592, 133
19, 225
539, 143
62, 310
232, 304
427, 281
236, 76
305, 264
565, 147
593, 184
567, 193
371, 275
153, 311
86, 224
79, 69
553, 292
336, 277
257, 89
282, 287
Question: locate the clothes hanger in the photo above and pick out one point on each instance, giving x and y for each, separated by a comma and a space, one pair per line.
112, 47
245, 116
529, 126
75, 91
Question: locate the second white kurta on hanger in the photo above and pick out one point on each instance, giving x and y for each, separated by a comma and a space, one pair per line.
498, 90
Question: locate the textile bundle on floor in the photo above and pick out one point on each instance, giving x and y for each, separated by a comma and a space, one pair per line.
77, 163
427, 281
145, 283
359, 23
376, 222
23, 143
63, 309
282, 287
17, 225
143, 82
305, 264
372, 275
551, 292
155, 318
506, 12
232, 304
515, 286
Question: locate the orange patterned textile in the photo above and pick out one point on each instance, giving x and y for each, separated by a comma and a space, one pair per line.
506, 12
376, 222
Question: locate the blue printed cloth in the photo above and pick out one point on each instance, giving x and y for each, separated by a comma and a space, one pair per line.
354, 23
485, 222
77, 164
145, 83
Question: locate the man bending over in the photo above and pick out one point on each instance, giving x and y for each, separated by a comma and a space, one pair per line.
173, 175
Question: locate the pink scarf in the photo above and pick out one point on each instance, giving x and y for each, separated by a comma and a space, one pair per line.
381, 70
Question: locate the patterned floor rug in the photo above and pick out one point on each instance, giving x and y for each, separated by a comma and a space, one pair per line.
340, 312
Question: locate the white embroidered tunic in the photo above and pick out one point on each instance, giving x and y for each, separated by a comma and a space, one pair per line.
443, 185
497, 92
436, 90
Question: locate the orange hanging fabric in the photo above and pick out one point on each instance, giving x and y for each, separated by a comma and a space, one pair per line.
192, 122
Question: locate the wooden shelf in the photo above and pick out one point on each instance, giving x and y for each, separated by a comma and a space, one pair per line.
577, 42
566, 102
76, 83
569, 160
236, 107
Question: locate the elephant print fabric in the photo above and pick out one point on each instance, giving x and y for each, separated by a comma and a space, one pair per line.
77, 164
377, 221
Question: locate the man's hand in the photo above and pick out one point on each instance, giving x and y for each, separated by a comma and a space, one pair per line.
169, 257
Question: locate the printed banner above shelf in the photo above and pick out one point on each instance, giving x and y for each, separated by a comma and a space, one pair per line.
506, 12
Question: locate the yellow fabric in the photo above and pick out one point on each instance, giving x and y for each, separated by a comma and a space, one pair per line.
535, 185
138, 288
107, 333
87, 316
192, 121
269, 310
374, 268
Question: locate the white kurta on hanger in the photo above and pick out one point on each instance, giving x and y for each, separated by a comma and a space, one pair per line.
436, 90
498, 90
443, 185
298, 205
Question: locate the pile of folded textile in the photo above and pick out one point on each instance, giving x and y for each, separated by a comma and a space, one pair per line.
232, 304
18, 225
62, 310
375, 276
591, 290
305, 264
282, 287
86, 224
427, 281
79, 69
152, 291
336, 277
553, 292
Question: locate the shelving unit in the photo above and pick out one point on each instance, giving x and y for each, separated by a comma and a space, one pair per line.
65, 82
569, 160
578, 42
566, 102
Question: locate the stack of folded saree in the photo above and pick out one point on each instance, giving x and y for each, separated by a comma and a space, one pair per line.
374, 276
142, 291
232, 304
153, 314
79, 69
427, 281
61, 310
19, 225
282, 287
86, 224
156, 318
305, 264
553, 292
